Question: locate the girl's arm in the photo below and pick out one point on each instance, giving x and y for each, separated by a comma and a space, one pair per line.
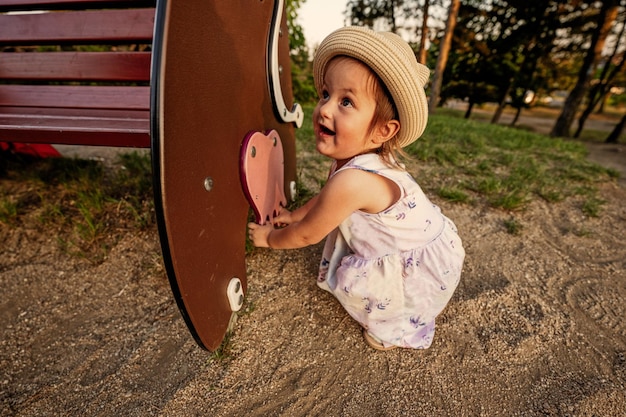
288, 217
346, 192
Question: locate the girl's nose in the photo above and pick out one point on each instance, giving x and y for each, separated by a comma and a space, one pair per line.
324, 109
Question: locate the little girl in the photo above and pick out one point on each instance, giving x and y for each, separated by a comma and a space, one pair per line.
391, 258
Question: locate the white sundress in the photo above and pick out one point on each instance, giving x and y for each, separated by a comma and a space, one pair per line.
396, 270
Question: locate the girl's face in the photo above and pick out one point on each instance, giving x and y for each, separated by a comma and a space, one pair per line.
342, 117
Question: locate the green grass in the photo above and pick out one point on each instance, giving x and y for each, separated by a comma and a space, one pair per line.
513, 226
79, 199
501, 166
224, 351
8, 210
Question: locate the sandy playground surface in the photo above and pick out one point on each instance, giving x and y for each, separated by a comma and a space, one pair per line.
536, 328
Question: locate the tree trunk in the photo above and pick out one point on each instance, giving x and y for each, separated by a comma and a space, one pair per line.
442, 59
606, 17
603, 103
518, 113
392, 15
617, 131
599, 92
468, 112
424, 37
596, 94
502, 104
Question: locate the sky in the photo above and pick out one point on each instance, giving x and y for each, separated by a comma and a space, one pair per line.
319, 18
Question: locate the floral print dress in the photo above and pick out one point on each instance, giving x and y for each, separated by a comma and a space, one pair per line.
396, 270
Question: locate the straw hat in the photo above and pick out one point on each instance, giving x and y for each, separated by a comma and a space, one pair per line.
393, 60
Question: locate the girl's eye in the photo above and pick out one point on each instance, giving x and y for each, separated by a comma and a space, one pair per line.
325, 95
346, 102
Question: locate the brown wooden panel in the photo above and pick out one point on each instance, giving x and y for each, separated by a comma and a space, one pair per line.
96, 97
211, 90
9, 5
83, 66
132, 25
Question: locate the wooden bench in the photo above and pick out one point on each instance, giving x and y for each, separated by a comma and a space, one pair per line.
76, 71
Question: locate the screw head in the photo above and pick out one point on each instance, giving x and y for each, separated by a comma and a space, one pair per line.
208, 183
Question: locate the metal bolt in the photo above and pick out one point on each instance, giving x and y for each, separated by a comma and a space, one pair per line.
208, 183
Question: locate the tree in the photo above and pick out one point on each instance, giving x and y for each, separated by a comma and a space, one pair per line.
470, 71
600, 89
442, 59
501, 48
368, 12
528, 32
617, 131
402, 17
605, 18
496, 48
421, 52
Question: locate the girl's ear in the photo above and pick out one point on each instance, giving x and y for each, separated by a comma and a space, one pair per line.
387, 131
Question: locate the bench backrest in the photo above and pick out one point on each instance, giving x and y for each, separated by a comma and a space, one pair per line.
77, 58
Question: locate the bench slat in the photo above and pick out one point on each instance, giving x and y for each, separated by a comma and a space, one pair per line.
122, 26
66, 96
10, 5
113, 128
75, 66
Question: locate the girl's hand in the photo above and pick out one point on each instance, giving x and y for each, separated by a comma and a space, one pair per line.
283, 218
260, 234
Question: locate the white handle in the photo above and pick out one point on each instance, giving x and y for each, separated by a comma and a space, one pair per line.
295, 115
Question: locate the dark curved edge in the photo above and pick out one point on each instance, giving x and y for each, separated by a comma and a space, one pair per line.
155, 136
242, 176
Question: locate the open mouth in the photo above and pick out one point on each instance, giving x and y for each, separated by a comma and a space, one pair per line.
326, 131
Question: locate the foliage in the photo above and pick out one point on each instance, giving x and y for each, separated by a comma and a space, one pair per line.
303, 83
297, 42
78, 198
398, 16
503, 49
301, 71
369, 12
501, 44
